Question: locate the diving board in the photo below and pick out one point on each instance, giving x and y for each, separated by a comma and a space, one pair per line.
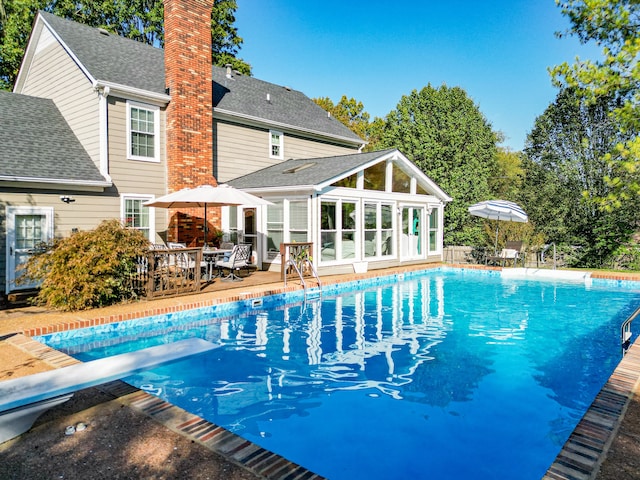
24, 399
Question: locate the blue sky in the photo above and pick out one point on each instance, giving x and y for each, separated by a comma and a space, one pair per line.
375, 51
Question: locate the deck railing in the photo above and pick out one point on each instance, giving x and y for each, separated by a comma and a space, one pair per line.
168, 272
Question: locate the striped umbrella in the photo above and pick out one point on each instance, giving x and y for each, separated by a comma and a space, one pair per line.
499, 210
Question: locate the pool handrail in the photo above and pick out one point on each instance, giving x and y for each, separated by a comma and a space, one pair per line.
625, 331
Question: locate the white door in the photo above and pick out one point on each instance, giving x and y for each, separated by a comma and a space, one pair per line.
412, 235
27, 227
249, 230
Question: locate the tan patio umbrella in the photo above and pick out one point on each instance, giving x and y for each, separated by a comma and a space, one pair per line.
207, 196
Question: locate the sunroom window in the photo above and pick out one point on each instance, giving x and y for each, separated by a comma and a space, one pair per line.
374, 177
433, 231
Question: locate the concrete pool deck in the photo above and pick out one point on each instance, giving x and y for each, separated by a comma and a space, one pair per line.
591, 452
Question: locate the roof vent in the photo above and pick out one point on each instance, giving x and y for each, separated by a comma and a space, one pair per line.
103, 31
269, 97
299, 168
286, 87
229, 70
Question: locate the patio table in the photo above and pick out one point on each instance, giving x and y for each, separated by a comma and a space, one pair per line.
211, 256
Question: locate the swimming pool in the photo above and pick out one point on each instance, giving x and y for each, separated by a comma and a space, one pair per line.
447, 374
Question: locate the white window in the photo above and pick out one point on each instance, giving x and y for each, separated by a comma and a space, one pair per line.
143, 139
135, 215
275, 228
276, 144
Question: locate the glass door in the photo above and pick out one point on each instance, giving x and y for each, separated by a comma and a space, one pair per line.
412, 236
27, 229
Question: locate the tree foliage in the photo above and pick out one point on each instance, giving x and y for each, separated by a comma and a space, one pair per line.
444, 133
88, 269
140, 20
352, 114
566, 174
614, 25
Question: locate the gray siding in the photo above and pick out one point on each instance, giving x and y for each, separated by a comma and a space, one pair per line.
241, 150
53, 74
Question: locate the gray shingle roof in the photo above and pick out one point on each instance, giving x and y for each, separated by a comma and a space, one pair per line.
37, 143
289, 173
115, 59
248, 96
112, 58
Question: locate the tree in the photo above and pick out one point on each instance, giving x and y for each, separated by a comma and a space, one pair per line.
614, 25
140, 20
566, 175
350, 113
89, 269
443, 132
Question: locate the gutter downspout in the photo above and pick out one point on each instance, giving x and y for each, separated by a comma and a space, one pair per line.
103, 93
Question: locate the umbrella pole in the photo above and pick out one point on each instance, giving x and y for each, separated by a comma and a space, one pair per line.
205, 225
495, 248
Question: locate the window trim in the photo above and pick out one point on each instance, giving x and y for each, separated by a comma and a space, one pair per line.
156, 131
281, 145
152, 214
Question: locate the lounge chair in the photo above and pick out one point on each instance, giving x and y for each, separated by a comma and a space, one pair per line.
240, 258
511, 252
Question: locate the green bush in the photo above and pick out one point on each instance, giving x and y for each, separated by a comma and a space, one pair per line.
88, 269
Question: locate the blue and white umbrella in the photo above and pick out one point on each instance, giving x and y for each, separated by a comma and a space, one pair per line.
499, 210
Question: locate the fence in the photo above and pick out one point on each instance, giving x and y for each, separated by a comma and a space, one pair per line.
168, 272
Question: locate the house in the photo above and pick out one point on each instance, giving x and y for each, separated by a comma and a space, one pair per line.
97, 125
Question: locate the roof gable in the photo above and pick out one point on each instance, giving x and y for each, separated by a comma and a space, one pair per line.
38, 144
114, 60
322, 172
110, 58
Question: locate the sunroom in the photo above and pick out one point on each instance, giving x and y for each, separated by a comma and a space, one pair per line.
361, 211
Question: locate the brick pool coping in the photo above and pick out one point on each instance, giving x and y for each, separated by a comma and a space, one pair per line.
580, 457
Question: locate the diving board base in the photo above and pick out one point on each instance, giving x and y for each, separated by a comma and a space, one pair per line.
18, 420
24, 399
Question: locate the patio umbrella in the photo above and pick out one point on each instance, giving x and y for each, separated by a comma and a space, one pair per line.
499, 210
207, 196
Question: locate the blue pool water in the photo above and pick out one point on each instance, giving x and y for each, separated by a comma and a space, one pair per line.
447, 374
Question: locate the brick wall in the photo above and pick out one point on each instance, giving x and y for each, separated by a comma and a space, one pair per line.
190, 113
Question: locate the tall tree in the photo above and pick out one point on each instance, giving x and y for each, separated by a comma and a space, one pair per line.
614, 25
140, 20
567, 173
446, 135
351, 113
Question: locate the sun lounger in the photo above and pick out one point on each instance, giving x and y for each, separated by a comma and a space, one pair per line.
24, 399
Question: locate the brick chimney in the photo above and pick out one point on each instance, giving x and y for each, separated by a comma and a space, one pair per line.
189, 130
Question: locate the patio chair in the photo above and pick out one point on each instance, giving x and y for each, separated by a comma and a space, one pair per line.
240, 258
511, 252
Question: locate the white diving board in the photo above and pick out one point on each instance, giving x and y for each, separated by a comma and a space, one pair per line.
24, 399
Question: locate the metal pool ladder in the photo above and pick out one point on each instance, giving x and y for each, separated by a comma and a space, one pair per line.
299, 267
625, 331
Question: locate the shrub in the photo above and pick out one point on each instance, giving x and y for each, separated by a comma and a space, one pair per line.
88, 269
